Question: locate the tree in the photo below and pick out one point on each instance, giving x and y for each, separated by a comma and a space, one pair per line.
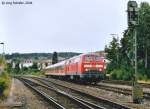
54, 58
112, 54
144, 33
112, 50
17, 68
125, 50
34, 66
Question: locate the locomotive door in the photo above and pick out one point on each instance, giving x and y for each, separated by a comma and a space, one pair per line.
76, 68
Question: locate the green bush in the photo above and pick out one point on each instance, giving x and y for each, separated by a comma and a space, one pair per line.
142, 76
4, 84
37, 73
122, 73
126, 73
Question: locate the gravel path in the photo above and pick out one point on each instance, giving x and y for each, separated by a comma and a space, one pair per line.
24, 98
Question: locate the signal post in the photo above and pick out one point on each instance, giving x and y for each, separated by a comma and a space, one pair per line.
137, 91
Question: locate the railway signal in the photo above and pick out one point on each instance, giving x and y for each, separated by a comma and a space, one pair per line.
132, 13
137, 91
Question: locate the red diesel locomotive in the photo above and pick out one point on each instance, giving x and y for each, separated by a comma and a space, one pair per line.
85, 67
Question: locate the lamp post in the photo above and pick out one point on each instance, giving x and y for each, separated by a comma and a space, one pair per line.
3, 54
1, 69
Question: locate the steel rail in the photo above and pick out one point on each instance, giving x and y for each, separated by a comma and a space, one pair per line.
82, 103
128, 83
44, 95
121, 90
103, 100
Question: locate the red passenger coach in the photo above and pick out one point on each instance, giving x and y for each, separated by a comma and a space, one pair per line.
85, 67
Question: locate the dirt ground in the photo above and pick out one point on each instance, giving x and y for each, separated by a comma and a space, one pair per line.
21, 97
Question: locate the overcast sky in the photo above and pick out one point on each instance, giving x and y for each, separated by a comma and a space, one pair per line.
61, 25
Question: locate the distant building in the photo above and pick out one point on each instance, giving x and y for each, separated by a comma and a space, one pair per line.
26, 63
43, 63
13, 65
29, 62
8, 61
101, 53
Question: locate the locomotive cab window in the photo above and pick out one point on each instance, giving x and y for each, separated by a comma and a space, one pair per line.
88, 58
97, 58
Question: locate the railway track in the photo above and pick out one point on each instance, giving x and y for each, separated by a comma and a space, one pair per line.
107, 104
43, 94
128, 83
77, 102
124, 91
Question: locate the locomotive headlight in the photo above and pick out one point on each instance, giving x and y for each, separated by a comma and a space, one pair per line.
99, 65
100, 69
87, 65
86, 69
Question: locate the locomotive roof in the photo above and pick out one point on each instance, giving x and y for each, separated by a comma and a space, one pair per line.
63, 62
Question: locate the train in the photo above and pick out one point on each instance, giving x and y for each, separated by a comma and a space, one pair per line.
87, 68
